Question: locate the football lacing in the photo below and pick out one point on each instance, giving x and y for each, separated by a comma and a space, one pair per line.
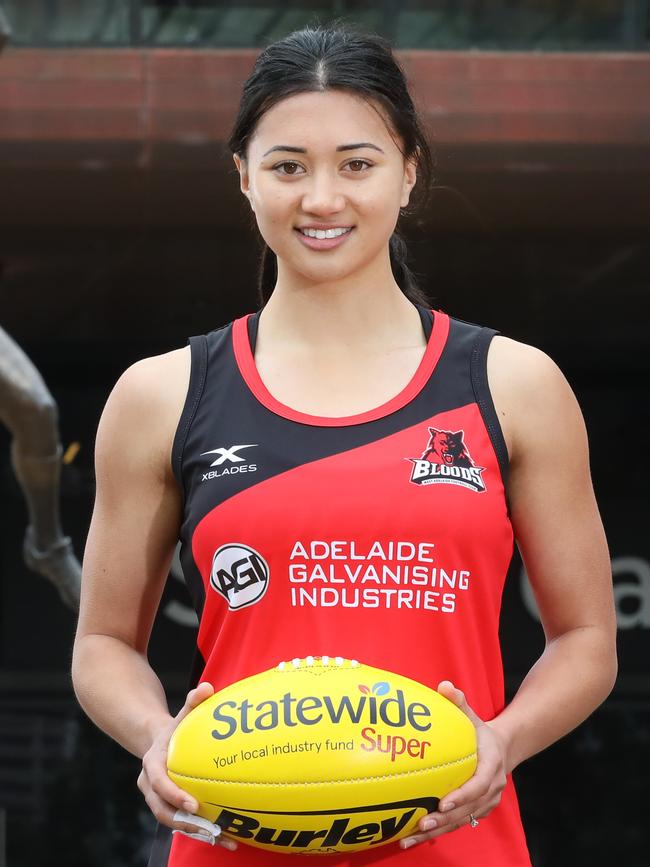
325, 660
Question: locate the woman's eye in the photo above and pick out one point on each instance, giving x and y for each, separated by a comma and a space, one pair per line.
359, 163
292, 165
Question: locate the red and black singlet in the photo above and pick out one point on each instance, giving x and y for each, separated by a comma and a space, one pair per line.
382, 536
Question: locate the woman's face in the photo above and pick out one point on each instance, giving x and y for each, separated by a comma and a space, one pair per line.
325, 160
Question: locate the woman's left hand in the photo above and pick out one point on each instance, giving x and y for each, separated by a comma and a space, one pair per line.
481, 793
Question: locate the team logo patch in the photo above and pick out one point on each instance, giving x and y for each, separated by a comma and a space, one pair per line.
240, 574
447, 460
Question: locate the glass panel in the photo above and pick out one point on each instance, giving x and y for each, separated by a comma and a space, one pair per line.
442, 24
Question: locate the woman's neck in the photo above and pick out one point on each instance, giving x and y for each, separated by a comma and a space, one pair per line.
359, 314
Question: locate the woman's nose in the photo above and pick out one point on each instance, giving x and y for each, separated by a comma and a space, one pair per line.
323, 196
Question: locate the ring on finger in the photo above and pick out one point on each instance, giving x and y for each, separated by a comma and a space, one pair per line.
473, 821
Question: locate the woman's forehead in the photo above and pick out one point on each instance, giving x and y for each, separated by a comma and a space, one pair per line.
321, 121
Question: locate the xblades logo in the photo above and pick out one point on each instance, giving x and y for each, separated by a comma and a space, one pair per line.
237, 463
227, 454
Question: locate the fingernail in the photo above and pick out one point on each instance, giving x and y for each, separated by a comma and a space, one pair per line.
190, 806
410, 841
428, 824
445, 808
229, 844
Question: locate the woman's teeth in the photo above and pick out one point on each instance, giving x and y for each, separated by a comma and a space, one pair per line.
325, 233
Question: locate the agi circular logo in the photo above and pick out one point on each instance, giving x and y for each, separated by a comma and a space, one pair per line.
240, 574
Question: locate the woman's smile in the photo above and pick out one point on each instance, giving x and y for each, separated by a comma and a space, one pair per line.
324, 239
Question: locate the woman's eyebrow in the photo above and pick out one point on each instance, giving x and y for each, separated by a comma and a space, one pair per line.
346, 147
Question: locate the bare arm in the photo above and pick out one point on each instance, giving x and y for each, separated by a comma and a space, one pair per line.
131, 541
562, 542
130, 544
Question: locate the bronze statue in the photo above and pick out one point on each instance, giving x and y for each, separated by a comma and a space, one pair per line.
30, 413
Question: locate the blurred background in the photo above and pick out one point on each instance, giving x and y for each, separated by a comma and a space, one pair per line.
122, 231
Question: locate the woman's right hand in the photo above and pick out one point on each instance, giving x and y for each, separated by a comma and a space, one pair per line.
164, 798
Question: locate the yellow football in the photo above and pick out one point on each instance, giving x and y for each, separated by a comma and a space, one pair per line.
321, 755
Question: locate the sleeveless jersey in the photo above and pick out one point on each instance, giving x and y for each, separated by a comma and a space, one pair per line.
383, 536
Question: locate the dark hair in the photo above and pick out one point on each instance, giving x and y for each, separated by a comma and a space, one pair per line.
336, 58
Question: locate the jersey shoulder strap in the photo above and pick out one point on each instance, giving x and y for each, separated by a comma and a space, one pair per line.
484, 397
198, 372
481, 336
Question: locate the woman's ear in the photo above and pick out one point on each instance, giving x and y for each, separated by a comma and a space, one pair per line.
410, 177
244, 181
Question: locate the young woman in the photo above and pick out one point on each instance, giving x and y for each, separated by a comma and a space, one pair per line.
345, 424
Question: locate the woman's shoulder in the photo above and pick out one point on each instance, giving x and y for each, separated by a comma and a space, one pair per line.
155, 381
145, 405
521, 361
530, 392
153, 369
